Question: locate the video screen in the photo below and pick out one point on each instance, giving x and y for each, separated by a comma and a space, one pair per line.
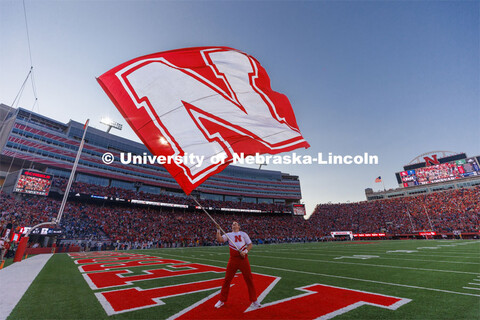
33, 182
441, 172
299, 209
409, 178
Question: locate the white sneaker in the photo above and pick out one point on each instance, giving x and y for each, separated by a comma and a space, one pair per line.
219, 304
255, 305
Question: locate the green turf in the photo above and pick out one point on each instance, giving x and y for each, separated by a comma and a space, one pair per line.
433, 277
8, 262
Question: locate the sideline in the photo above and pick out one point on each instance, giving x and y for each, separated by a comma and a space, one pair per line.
17, 278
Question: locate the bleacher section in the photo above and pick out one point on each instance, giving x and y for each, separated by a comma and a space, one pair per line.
451, 214
442, 212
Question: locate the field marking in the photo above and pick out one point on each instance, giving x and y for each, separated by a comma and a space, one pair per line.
331, 254
468, 254
400, 242
373, 265
356, 279
370, 252
471, 288
476, 284
158, 301
372, 281
385, 258
391, 242
356, 256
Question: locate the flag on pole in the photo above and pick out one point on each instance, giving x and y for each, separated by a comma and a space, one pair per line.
379, 179
207, 105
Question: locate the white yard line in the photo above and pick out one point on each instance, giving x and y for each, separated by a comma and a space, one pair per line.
16, 279
350, 278
369, 265
376, 252
333, 254
396, 259
471, 288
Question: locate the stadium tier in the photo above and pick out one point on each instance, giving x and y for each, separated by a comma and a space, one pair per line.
29, 140
451, 213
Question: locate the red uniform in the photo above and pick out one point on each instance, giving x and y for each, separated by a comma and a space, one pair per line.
242, 240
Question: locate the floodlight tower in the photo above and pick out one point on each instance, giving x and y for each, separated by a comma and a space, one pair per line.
110, 124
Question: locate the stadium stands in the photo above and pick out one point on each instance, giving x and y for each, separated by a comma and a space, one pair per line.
447, 211
135, 226
129, 226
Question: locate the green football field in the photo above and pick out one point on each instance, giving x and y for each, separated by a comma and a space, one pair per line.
435, 280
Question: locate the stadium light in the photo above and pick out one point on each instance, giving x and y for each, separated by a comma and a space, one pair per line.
110, 123
261, 164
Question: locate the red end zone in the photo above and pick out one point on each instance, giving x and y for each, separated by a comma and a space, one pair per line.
314, 301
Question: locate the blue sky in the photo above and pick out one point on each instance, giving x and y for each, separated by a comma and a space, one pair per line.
395, 79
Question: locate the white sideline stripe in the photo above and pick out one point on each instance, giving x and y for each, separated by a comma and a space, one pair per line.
16, 279
371, 265
471, 288
476, 284
355, 279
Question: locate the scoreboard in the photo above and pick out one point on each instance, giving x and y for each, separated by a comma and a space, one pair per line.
298, 209
439, 173
33, 182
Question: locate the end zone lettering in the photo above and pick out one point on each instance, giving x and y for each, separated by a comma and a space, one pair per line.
310, 302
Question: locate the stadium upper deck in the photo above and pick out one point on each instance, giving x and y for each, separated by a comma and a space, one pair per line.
455, 171
39, 142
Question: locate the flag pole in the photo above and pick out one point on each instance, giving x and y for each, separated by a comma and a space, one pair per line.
72, 175
216, 224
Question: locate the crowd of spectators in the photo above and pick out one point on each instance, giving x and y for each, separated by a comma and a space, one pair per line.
142, 226
128, 226
444, 211
28, 211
